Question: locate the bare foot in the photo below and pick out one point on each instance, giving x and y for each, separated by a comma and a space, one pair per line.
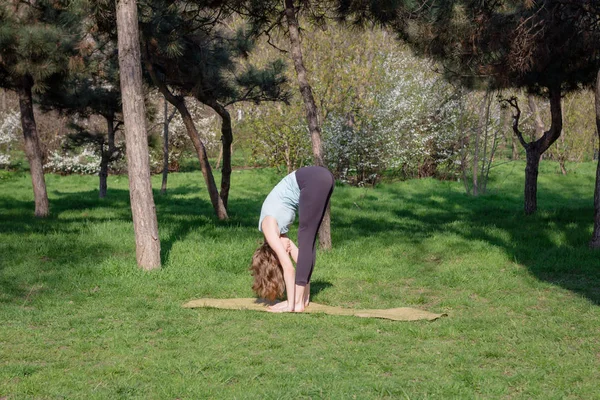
279, 307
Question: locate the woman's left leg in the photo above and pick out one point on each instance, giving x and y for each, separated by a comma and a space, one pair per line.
316, 185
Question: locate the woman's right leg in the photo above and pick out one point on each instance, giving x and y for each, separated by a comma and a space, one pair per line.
316, 185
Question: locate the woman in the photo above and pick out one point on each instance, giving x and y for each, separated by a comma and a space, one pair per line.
306, 190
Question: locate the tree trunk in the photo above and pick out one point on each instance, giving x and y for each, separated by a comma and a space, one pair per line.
209, 178
464, 148
311, 110
484, 156
562, 163
515, 149
219, 157
562, 155
165, 172
478, 135
493, 149
192, 132
531, 176
143, 209
595, 241
107, 155
32, 148
536, 149
226, 141
103, 175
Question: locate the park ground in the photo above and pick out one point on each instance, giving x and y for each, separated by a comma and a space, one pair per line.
78, 320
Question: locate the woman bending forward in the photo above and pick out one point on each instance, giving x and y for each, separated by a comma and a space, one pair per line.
306, 190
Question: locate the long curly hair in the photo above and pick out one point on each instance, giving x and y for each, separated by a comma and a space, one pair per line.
267, 272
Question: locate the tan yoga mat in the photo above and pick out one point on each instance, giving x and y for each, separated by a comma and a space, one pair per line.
397, 314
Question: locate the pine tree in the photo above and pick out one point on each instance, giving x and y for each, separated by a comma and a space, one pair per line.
38, 44
192, 54
92, 90
143, 209
188, 52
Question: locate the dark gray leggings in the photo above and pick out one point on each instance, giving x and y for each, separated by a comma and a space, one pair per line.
316, 185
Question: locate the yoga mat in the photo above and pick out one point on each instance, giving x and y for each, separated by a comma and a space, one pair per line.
396, 314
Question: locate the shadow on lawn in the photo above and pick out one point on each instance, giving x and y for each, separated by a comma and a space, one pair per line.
42, 256
415, 216
317, 286
183, 210
530, 240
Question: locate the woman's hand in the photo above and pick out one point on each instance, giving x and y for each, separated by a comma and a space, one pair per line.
287, 243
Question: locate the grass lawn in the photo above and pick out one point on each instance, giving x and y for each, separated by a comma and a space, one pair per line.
78, 320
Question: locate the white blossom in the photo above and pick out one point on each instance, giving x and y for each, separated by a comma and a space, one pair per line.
86, 162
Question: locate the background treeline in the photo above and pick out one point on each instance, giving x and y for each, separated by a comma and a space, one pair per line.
384, 111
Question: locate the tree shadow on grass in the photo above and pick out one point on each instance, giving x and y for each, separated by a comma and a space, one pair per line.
42, 255
317, 286
54, 249
186, 208
415, 217
529, 240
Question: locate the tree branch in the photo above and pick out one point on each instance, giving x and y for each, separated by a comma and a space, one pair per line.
515, 104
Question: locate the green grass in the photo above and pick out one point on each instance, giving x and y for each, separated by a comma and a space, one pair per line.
78, 320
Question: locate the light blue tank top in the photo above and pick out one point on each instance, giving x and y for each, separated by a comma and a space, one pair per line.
282, 203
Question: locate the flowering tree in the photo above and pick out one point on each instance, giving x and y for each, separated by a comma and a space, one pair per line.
10, 128
381, 108
85, 161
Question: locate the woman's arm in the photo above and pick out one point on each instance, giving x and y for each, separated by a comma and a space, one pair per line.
293, 251
271, 231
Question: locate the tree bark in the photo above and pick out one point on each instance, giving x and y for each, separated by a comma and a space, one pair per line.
478, 134
311, 110
192, 132
226, 140
216, 200
33, 148
515, 149
165, 172
531, 176
219, 157
486, 125
107, 155
145, 223
537, 148
595, 241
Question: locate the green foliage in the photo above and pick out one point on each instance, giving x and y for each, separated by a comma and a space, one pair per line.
79, 320
519, 44
38, 40
277, 137
381, 108
199, 56
580, 139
